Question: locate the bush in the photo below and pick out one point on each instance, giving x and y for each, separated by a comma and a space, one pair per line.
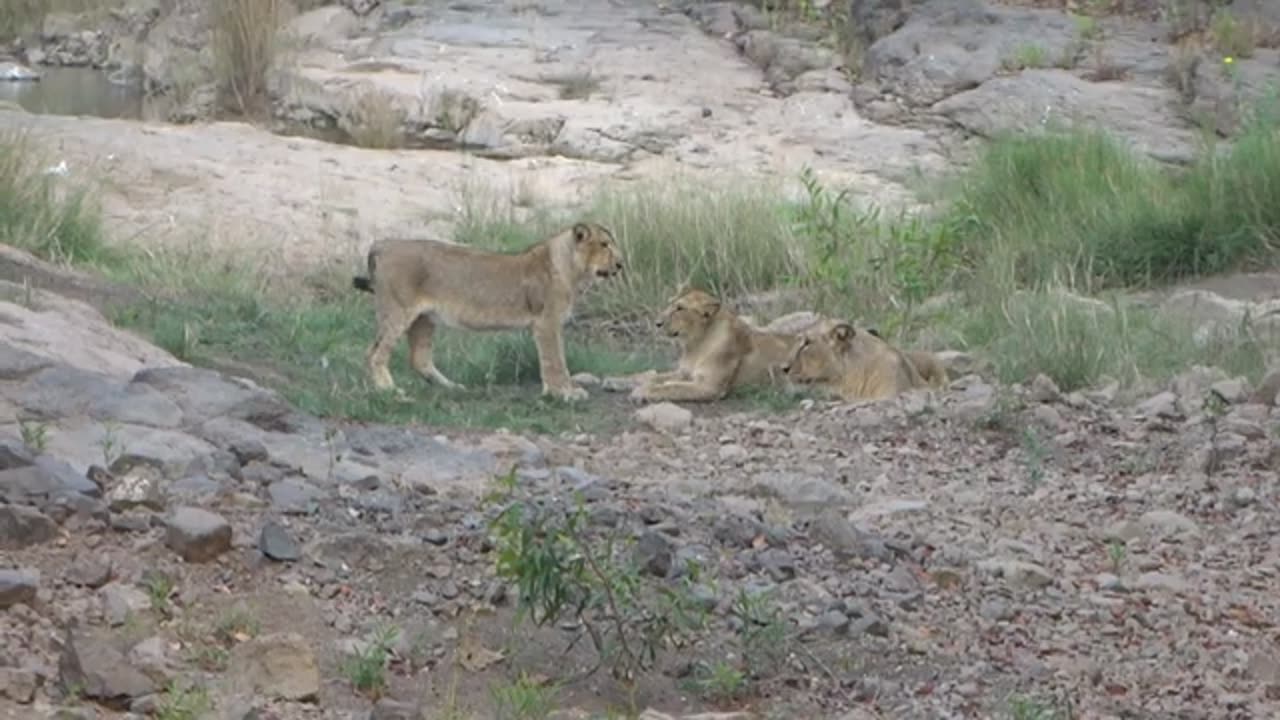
245, 45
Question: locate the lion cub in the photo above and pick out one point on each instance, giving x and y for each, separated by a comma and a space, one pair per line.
718, 351
419, 284
852, 363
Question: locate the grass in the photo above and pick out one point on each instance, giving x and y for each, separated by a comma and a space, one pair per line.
376, 121
1035, 222
245, 41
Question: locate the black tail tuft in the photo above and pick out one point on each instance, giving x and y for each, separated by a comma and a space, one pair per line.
362, 283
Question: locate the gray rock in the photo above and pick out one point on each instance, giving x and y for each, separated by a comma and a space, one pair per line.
1162, 405
801, 490
18, 586
1017, 573
1044, 389
203, 394
294, 496
388, 709
277, 543
845, 539
92, 664
120, 602
997, 609
14, 454
22, 527
654, 553
46, 478
18, 684
137, 481
1231, 391
869, 625
778, 564
280, 666
90, 569
197, 535
834, 621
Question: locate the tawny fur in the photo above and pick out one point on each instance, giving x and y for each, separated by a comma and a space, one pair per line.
852, 363
927, 364
420, 284
718, 352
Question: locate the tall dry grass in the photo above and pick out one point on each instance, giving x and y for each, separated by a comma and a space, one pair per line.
246, 41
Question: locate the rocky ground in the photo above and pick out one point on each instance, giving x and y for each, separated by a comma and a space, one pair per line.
944, 555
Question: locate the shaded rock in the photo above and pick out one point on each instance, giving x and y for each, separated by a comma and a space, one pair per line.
654, 553
665, 417
90, 569
18, 586
277, 543
197, 535
845, 539
280, 666
388, 709
91, 664
22, 527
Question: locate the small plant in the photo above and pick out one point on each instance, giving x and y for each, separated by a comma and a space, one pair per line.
34, 434
524, 699
376, 121
1116, 552
720, 681
245, 45
562, 568
1232, 37
366, 668
181, 703
1027, 56
1026, 708
110, 443
159, 589
1033, 451
212, 658
762, 633
237, 626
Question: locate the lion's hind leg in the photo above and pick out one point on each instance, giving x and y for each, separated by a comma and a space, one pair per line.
392, 322
421, 336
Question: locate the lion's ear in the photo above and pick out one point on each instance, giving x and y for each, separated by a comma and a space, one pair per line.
581, 232
842, 333
874, 333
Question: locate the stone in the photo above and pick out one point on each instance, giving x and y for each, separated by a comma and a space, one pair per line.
294, 496
1160, 406
1231, 391
1017, 573
22, 527
665, 417
654, 553
90, 569
1044, 389
90, 663
276, 543
18, 684
388, 709
17, 586
197, 535
120, 602
281, 666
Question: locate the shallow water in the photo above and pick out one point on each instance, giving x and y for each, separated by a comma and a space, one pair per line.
75, 91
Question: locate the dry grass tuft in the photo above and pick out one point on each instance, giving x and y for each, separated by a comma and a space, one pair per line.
245, 45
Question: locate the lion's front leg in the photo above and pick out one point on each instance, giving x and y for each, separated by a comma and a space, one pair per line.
696, 389
548, 337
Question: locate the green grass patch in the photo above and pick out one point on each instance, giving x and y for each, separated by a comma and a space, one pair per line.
1036, 221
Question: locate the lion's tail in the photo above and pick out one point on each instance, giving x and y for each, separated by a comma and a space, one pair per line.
363, 283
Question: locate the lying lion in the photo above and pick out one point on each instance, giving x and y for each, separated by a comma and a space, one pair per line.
854, 364
927, 364
718, 352
418, 284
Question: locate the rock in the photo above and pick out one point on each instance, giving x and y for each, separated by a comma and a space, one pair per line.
801, 490
137, 482
388, 709
151, 657
1162, 406
997, 610
869, 625
197, 535
1044, 389
18, 586
846, 540
1232, 391
1267, 390
90, 569
294, 496
1167, 523
665, 417
280, 666
121, 602
1017, 573
1160, 581
778, 564
22, 527
654, 553
98, 670
276, 543
18, 684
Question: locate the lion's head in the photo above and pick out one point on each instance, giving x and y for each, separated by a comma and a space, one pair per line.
823, 354
688, 315
595, 251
